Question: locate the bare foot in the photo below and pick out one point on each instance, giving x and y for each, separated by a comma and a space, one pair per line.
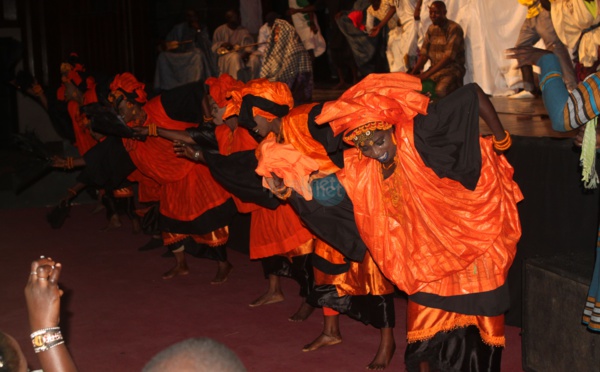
526, 55
267, 298
222, 272
176, 271
113, 223
323, 340
384, 355
303, 313
99, 208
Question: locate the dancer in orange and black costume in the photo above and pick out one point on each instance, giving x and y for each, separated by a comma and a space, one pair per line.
193, 207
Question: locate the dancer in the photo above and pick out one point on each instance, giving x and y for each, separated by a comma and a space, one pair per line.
193, 207
440, 223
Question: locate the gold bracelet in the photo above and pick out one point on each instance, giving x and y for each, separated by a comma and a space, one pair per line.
504, 144
285, 195
72, 192
152, 130
208, 119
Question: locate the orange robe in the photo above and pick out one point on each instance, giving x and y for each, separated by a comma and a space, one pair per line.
83, 138
272, 232
185, 189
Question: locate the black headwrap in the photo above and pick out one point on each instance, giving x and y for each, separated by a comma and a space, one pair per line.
246, 117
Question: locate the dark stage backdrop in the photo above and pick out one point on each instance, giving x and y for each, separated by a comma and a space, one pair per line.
558, 216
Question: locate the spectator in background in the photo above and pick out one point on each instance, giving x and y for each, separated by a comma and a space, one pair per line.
186, 55
308, 29
287, 61
339, 49
576, 24
385, 12
263, 35
444, 46
538, 25
230, 42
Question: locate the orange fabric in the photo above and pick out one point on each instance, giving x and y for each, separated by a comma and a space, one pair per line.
392, 98
277, 232
125, 192
219, 88
272, 232
83, 138
172, 238
187, 189
148, 189
288, 163
233, 141
295, 132
327, 311
424, 322
273, 91
361, 279
214, 238
449, 240
128, 83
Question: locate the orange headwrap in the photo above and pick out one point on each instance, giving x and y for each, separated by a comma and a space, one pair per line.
276, 92
219, 88
129, 84
392, 98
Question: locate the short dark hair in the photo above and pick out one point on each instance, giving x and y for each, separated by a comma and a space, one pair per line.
198, 354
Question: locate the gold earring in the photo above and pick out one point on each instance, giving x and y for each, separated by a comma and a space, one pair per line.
394, 139
359, 155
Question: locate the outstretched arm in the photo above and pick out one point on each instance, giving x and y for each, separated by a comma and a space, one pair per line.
43, 305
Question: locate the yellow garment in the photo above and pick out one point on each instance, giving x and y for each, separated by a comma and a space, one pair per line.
534, 7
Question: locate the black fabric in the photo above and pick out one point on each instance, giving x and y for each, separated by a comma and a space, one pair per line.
490, 303
184, 103
327, 267
58, 215
334, 145
218, 253
204, 136
215, 218
331, 220
447, 138
149, 221
107, 165
198, 250
374, 310
236, 174
299, 269
460, 350
557, 215
246, 117
105, 120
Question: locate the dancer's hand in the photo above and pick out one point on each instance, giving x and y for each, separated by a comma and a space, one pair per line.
526, 55
42, 294
579, 138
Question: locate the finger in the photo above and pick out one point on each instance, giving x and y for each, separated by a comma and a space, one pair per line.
33, 273
54, 275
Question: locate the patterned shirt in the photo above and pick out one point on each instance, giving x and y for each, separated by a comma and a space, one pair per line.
445, 40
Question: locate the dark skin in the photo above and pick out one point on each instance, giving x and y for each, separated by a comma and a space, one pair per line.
392, 10
437, 13
42, 295
183, 148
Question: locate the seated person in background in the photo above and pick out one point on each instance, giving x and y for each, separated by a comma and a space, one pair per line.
444, 45
195, 354
11, 355
286, 61
186, 55
230, 42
